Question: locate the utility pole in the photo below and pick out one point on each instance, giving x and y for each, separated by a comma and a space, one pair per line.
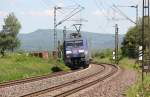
64, 33
59, 50
145, 44
55, 27
137, 14
116, 44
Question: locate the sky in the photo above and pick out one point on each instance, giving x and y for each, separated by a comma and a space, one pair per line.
100, 16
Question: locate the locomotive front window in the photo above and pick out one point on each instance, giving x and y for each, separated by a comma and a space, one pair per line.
70, 44
78, 43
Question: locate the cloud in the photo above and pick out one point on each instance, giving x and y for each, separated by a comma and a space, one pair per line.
104, 13
3, 13
109, 14
99, 13
39, 13
13, 2
137, 1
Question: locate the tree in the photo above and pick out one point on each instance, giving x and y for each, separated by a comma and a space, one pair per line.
8, 35
133, 38
130, 43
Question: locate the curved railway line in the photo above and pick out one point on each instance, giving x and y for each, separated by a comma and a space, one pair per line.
32, 79
65, 88
75, 89
67, 93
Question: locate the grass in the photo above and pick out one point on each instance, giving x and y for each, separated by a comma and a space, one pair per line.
125, 62
18, 66
129, 63
102, 60
139, 89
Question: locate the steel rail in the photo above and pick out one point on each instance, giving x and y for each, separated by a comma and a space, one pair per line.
69, 92
32, 79
62, 85
72, 91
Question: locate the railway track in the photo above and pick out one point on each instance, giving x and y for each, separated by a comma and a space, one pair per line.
72, 87
67, 93
32, 79
31, 85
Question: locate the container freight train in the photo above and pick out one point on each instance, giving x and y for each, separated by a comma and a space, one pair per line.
76, 53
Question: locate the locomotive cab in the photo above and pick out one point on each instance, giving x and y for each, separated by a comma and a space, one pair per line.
76, 52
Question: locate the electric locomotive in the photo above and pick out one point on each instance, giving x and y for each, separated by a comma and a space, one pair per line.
76, 53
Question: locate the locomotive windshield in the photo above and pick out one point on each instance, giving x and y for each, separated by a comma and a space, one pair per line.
76, 43
70, 44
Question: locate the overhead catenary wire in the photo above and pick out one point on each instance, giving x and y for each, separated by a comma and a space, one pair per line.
119, 12
72, 14
109, 6
64, 8
112, 15
123, 14
109, 14
104, 14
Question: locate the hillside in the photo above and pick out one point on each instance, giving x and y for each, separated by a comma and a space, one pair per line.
42, 39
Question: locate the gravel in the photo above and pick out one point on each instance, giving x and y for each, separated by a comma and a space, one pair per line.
27, 88
107, 70
113, 87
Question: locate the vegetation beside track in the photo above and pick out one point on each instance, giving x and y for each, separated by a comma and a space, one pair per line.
105, 56
19, 66
139, 90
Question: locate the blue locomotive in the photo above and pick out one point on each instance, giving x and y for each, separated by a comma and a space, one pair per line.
76, 53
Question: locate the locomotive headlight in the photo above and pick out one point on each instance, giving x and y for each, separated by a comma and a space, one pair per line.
68, 52
81, 51
86, 52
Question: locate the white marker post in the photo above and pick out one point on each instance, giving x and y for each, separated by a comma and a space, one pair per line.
140, 53
114, 57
